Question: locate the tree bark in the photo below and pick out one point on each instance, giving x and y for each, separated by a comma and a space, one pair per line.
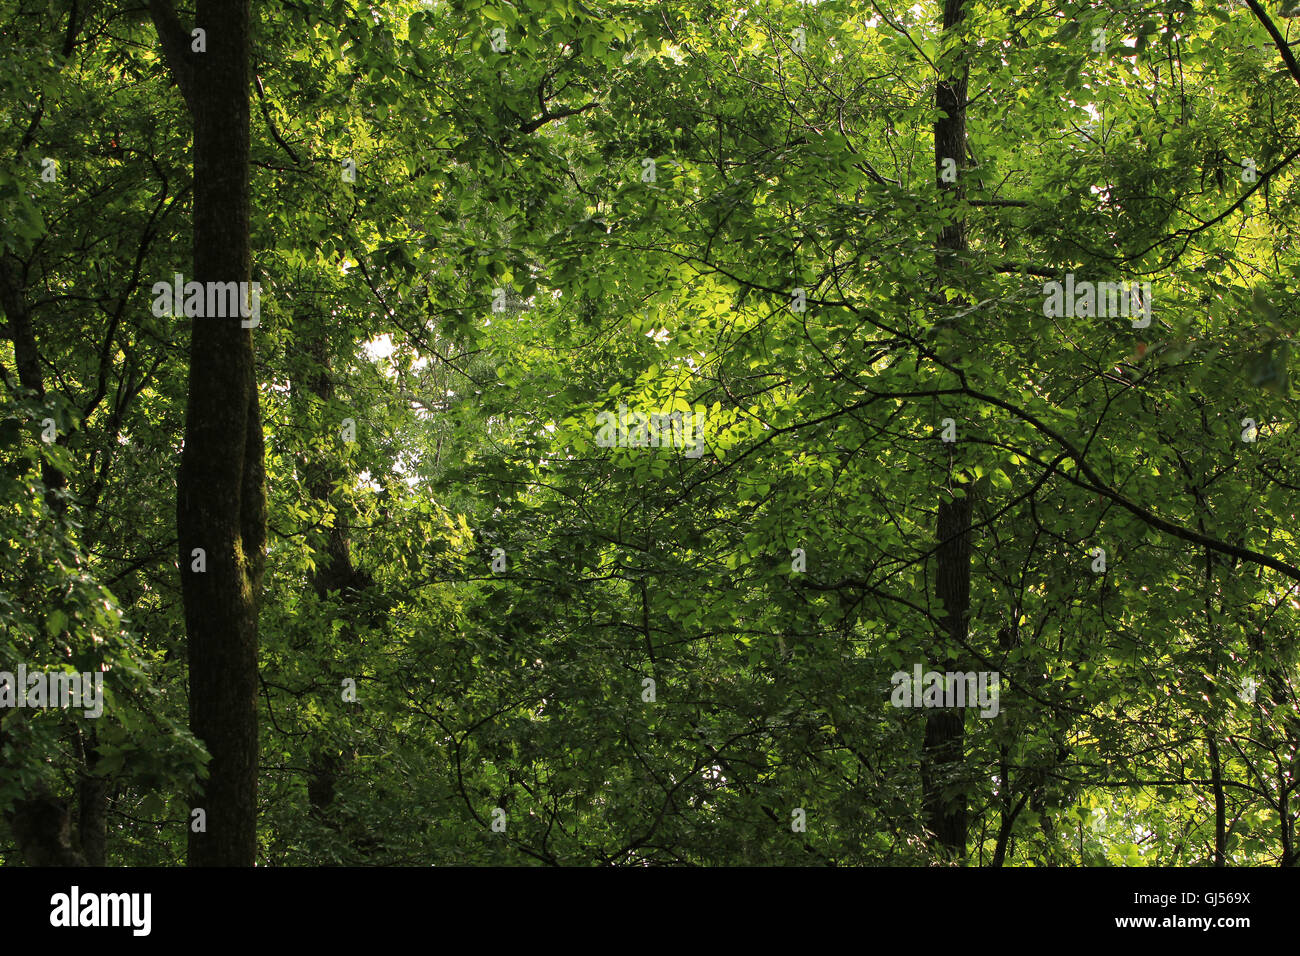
221, 504
42, 828
943, 748
945, 730
92, 803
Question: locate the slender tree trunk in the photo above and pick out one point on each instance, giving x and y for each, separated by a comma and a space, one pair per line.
945, 730
221, 505
1008, 639
92, 803
41, 822
1220, 809
27, 358
334, 568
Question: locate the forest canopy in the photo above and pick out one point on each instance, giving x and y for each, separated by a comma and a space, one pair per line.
615, 432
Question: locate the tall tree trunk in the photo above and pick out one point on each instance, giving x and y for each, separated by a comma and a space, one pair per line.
221, 504
945, 730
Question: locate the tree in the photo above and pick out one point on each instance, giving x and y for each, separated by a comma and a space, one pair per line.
220, 506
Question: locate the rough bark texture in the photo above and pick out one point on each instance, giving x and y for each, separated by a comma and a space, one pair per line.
42, 828
943, 747
950, 135
221, 504
945, 730
92, 804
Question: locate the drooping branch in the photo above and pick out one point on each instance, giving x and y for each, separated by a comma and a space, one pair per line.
1097, 484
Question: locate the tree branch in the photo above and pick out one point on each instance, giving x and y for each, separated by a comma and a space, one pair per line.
1278, 40
175, 41
547, 116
